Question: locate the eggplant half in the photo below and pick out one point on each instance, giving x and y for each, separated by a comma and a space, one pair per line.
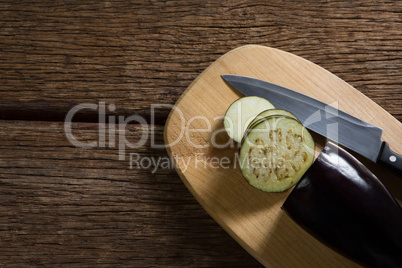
340, 202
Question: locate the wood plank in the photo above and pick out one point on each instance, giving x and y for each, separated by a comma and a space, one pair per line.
62, 205
56, 55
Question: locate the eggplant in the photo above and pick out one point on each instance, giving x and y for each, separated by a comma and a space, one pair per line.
241, 112
340, 202
270, 112
275, 152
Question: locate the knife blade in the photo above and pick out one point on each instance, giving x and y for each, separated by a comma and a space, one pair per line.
338, 126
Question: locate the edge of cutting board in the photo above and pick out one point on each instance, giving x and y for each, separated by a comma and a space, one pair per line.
254, 218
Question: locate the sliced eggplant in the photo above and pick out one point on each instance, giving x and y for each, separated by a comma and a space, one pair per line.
270, 112
241, 112
343, 204
275, 153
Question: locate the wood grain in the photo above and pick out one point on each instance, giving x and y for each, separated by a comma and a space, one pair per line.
57, 54
211, 170
62, 205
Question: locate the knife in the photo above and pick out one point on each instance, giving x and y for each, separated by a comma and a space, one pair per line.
338, 126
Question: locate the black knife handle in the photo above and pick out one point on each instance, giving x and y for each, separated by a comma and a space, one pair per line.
390, 159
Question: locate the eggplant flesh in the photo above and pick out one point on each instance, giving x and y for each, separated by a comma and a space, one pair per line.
241, 112
270, 112
275, 153
345, 206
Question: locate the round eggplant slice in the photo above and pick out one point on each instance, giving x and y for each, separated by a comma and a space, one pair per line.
345, 206
275, 153
241, 112
270, 112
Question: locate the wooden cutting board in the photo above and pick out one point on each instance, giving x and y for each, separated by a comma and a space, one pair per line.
205, 158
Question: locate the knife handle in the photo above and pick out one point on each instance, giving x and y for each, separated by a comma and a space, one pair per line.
390, 159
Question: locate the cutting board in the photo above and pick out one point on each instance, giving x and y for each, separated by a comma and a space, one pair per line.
206, 159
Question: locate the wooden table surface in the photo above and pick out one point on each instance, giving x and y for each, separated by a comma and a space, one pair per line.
62, 205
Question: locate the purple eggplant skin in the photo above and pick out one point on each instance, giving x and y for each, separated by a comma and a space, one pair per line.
345, 206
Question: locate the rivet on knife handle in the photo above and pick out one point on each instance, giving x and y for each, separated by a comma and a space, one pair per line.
390, 159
